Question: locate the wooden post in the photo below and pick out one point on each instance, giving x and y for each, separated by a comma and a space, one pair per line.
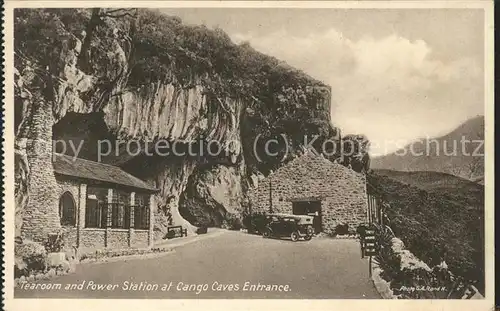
370, 267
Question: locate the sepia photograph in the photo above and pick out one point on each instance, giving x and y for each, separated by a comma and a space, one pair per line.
251, 151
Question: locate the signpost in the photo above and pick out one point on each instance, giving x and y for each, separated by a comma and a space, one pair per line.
370, 246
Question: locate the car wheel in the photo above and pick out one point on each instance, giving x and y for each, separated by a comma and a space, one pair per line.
294, 236
266, 234
310, 230
308, 237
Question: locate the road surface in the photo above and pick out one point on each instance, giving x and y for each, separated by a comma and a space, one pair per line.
230, 265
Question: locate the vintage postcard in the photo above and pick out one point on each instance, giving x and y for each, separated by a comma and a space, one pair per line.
251, 155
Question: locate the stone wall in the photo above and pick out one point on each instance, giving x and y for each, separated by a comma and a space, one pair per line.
342, 191
93, 238
117, 238
140, 238
41, 214
72, 186
114, 238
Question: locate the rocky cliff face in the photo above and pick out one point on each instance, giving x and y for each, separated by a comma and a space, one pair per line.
213, 194
88, 66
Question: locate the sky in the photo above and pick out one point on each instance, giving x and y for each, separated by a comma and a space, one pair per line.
396, 74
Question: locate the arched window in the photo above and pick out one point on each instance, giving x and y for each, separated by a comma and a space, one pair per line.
67, 210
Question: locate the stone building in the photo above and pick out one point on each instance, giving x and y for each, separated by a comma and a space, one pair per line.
313, 185
99, 206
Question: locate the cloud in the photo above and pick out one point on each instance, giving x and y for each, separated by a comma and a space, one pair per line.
388, 88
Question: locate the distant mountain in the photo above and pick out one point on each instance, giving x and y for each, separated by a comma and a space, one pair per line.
460, 153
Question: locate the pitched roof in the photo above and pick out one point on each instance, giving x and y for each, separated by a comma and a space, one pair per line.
310, 156
81, 168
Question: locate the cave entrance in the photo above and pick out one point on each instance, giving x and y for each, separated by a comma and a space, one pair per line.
78, 134
310, 208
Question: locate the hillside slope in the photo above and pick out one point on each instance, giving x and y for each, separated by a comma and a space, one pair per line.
438, 216
469, 194
442, 154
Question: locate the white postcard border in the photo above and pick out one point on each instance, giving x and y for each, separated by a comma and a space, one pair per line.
12, 304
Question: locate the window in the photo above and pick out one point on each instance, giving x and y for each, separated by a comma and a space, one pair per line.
117, 214
120, 210
67, 210
141, 211
96, 210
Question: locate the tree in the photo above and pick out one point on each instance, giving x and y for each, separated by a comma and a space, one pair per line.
475, 167
455, 169
354, 152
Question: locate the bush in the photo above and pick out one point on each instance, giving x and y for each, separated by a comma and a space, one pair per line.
54, 243
20, 268
233, 222
236, 224
385, 257
170, 234
247, 222
32, 255
254, 223
403, 270
201, 230
342, 229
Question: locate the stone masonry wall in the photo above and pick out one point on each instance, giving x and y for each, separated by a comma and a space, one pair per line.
140, 238
41, 215
342, 191
117, 238
93, 238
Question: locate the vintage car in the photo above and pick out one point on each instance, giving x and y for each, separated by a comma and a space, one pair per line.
293, 226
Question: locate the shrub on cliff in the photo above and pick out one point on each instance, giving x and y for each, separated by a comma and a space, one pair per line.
124, 50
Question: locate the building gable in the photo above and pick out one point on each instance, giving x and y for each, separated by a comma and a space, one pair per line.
339, 191
310, 167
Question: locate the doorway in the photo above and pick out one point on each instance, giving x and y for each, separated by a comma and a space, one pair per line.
311, 208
